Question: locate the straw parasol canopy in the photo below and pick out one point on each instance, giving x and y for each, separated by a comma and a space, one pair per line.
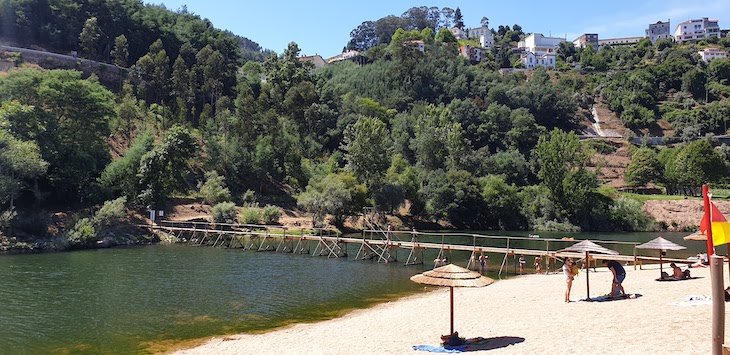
588, 247
660, 244
696, 236
452, 276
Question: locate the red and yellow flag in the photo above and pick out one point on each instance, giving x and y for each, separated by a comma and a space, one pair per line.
720, 226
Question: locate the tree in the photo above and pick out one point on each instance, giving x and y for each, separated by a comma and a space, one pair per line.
563, 162
697, 164
366, 149
120, 53
445, 36
214, 189
89, 38
643, 168
336, 194
719, 70
694, 82
458, 19
20, 163
484, 22
163, 169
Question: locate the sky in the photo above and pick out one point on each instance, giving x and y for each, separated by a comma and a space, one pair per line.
323, 27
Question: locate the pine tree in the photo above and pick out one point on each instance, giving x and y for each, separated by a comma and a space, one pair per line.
120, 53
458, 19
89, 38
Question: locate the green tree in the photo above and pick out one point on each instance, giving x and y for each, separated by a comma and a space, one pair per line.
563, 162
694, 82
89, 38
366, 149
696, 164
458, 19
120, 176
643, 168
501, 203
163, 169
120, 53
335, 194
214, 189
719, 71
445, 36
20, 165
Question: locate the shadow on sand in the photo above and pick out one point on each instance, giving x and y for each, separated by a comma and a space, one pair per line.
474, 344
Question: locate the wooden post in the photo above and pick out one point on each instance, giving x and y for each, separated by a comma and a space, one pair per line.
452, 310
718, 304
588, 284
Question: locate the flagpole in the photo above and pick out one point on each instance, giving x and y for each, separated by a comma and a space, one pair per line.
708, 220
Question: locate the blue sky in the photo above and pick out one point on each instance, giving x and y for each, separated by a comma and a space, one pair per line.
323, 27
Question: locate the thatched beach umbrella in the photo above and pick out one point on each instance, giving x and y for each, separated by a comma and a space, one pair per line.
696, 236
452, 276
660, 244
588, 247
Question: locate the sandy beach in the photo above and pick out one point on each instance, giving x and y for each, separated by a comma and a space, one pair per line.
528, 307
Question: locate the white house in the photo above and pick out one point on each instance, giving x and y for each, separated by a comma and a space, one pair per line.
483, 34
658, 30
619, 41
709, 54
539, 44
532, 60
696, 29
459, 33
417, 44
351, 55
586, 39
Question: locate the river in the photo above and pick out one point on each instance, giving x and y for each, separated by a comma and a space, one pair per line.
144, 299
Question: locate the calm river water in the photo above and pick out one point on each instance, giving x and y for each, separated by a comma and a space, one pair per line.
147, 298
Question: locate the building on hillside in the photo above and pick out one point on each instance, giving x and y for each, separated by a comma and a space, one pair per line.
586, 39
692, 30
459, 33
351, 55
619, 41
316, 60
532, 60
658, 30
539, 44
709, 54
483, 34
417, 44
475, 55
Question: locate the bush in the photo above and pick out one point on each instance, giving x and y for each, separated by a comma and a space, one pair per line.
629, 215
601, 146
248, 198
270, 214
83, 233
110, 211
250, 215
224, 212
214, 189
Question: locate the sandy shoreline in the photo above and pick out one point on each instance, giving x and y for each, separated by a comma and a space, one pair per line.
529, 307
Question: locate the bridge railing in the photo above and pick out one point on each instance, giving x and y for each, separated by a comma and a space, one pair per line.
279, 229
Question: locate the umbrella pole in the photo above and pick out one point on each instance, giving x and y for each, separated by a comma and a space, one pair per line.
661, 270
588, 285
452, 310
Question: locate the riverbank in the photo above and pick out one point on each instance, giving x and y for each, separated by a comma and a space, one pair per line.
529, 307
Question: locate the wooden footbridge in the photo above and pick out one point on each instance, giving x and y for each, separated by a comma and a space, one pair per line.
383, 245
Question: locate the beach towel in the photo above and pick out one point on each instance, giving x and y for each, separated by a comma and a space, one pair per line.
694, 300
676, 279
472, 344
608, 298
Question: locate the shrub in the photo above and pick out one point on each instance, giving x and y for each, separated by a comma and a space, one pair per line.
110, 211
270, 214
248, 198
629, 215
224, 212
214, 189
250, 215
83, 233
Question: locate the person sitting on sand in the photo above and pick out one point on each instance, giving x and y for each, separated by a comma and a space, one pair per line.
619, 274
676, 271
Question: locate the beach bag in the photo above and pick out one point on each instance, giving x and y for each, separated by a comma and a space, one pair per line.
574, 270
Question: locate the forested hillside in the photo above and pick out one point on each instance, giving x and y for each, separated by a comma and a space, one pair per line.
452, 141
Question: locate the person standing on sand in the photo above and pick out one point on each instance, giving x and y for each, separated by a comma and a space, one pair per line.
482, 263
568, 272
522, 264
538, 264
619, 274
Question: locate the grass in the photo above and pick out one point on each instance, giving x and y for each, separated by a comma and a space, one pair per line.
720, 193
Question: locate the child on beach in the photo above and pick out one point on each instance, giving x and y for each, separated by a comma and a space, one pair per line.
522, 264
538, 264
483, 263
568, 272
